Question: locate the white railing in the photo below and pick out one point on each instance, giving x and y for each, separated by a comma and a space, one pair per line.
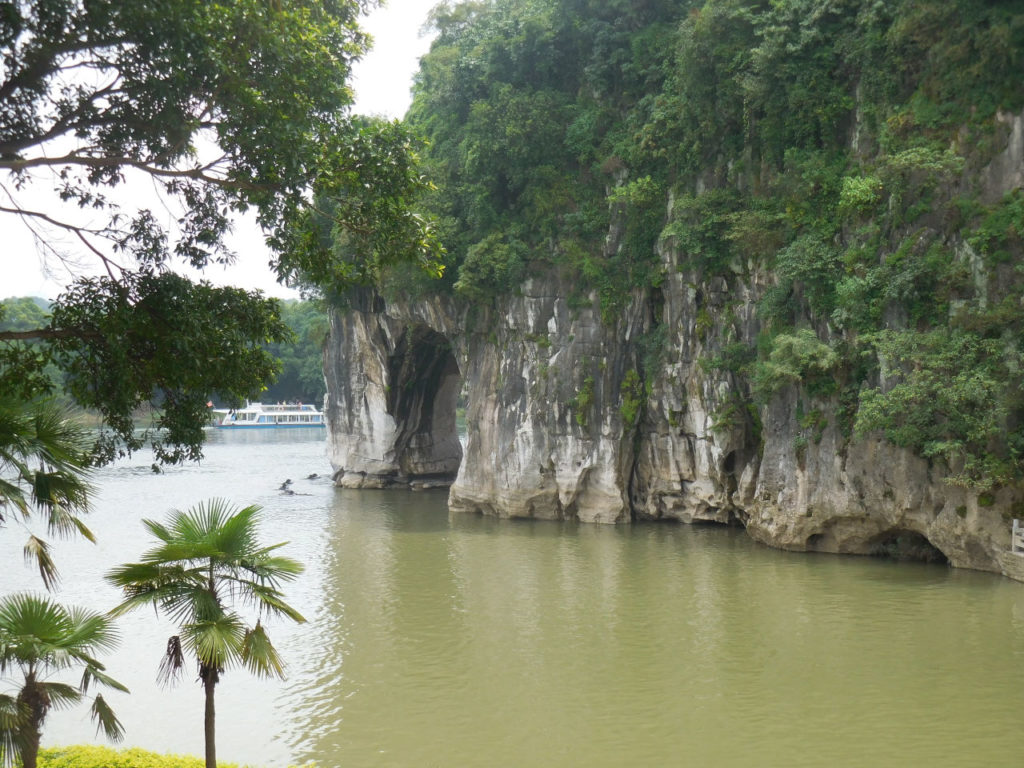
1017, 538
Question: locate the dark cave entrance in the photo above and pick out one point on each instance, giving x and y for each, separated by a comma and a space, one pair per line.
424, 382
906, 545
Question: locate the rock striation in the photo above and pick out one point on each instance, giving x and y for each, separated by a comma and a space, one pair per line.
572, 418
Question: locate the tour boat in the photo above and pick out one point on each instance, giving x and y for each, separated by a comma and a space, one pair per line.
262, 416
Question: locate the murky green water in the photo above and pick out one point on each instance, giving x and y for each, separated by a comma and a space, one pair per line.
463, 641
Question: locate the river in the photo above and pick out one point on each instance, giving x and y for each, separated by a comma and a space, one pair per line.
437, 640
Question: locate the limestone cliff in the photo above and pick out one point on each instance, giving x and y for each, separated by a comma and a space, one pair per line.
569, 417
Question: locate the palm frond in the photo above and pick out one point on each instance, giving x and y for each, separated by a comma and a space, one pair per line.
24, 614
172, 662
272, 570
38, 551
216, 643
236, 536
171, 588
271, 601
106, 720
258, 654
97, 672
60, 695
13, 495
157, 529
36, 629
63, 522
43, 460
55, 492
196, 525
58, 439
13, 716
89, 632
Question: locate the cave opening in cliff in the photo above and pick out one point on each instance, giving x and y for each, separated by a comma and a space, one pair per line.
422, 398
900, 544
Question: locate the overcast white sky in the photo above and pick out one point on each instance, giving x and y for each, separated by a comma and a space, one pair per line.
382, 81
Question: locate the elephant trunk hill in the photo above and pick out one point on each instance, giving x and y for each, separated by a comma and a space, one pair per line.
765, 271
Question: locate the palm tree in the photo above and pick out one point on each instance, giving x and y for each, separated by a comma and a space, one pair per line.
44, 457
207, 558
39, 637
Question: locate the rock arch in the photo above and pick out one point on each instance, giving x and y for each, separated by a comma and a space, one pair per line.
391, 409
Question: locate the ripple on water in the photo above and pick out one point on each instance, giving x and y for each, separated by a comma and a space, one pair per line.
458, 640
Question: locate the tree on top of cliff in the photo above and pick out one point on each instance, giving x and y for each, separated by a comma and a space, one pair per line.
219, 108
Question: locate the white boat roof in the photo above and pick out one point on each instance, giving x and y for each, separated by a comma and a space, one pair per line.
272, 408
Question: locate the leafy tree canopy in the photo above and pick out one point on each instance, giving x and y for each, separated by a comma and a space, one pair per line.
222, 108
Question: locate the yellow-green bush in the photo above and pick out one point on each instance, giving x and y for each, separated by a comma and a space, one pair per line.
87, 756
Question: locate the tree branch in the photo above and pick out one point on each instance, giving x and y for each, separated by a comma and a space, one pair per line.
79, 232
60, 127
49, 220
41, 63
198, 173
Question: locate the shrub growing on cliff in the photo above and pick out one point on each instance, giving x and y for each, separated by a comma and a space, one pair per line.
957, 397
494, 266
860, 195
798, 357
632, 396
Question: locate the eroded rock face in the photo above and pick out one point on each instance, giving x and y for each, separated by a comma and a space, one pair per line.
546, 438
560, 425
390, 407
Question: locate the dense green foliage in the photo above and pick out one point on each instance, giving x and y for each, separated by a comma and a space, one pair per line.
26, 369
23, 314
528, 106
299, 359
835, 145
213, 108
